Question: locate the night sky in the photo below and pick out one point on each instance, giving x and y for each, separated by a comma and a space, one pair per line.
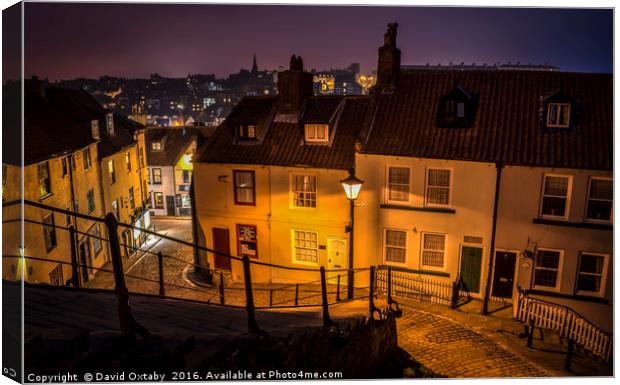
134, 40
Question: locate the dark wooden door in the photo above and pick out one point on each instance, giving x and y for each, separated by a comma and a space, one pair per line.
221, 243
504, 275
471, 261
170, 205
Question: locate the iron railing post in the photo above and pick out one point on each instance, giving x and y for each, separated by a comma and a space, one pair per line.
75, 272
338, 289
222, 288
327, 321
249, 297
296, 294
371, 297
128, 324
160, 263
455, 294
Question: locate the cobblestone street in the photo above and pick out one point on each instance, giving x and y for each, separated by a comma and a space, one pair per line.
454, 350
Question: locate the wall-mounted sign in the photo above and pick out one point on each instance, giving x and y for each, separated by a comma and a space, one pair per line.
246, 241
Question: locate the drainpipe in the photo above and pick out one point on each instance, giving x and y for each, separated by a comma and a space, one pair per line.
487, 290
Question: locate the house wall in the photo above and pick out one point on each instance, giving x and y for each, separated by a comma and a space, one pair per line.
34, 241
472, 193
181, 188
166, 187
521, 191
273, 215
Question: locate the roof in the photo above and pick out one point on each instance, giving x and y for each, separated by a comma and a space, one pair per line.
283, 140
507, 123
175, 141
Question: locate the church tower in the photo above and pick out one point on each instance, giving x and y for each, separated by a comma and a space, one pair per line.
254, 66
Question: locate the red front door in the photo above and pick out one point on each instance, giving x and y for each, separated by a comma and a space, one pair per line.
221, 243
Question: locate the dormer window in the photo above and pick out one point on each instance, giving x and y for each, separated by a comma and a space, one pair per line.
247, 131
316, 133
456, 109
558, 115
94, 128
109, 121
156, 146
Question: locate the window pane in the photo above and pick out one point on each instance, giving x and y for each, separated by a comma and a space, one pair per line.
549, 259
588, 282
591, 264
398, 184
244, 179
438, 195
546, 278
433, 250
556, 185
434, 242
601, 189
460, 112
395, 238
439, 178
554, 206
395, 255
599, 210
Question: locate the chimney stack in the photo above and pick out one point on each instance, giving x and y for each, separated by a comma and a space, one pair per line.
388, 67
294, 86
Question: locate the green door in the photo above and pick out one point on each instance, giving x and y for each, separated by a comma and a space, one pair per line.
471, 261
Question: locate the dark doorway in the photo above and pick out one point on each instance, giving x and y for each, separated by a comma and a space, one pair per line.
86, 260
221, 243
170, 205
471, 261
504, 275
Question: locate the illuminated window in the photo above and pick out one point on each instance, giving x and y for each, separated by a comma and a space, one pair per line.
547, 269
438, 187
128, 161
398, 184
86, 156
316, 133
94, 127
158, 197
49, 232
132, 203
116, 209
45, 180
140, 157
157, 176
555, 196
247, 131
558, 115
111, 171
433, 249
592, 274
395, 246
600, 199
304, 190
305, 246
156, 146
244, 187
109, 121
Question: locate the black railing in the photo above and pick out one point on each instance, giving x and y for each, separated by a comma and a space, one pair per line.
325, 291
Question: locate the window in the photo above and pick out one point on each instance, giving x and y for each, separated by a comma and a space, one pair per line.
247, 131
45, 180
305, 246
94, 128
547, 269
247, 243
64, 167
158, 197
156, 146
316, 133
186, 176
128, 161
111, 171
157, 176
398, 184
395, 246
49, 232
454, 111
304, 190
95, 239
591, 274
109, 122
600, 199
433, 249
86, 156
457, 109
555, 196
244, 187
56, 278
558, 115
116, 209
438, 187
90, 200
131, 199
140, 157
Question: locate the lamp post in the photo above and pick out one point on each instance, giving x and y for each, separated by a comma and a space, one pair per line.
352, 186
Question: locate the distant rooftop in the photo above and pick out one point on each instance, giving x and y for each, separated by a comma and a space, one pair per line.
493, 66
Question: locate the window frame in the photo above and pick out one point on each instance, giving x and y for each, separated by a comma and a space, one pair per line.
86, 159
422, 249
53, 238
109, 122
48, 184
293, 248
132, 201
249, 241
90, 201
155, 206
558, 280
189, 176
156, 143
385, 245
56, 272
243, 132
559, 106
569, 190
95, 231
388, 188
293, 192
94, 129
160, 173
112, 172
315, 138
128, 161
237, 202
611, 214
426, 187
604, 273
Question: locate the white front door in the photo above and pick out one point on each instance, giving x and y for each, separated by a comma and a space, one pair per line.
337, 258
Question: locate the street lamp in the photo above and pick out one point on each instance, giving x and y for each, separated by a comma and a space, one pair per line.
352, 186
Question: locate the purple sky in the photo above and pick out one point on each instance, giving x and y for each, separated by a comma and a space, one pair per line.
134, 40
